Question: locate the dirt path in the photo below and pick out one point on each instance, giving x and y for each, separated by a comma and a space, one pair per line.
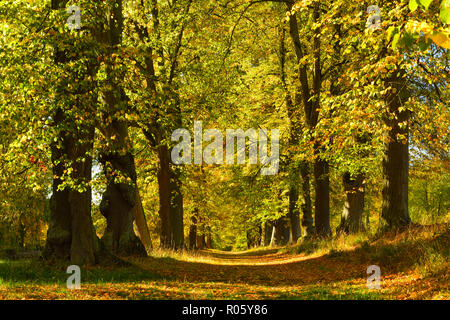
271, 274
257, 274
262, 268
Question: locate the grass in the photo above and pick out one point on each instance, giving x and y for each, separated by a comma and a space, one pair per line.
35, 272
414, 265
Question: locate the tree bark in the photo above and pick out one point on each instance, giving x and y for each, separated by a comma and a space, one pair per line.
59, 233
294, 215
118, 203
176, 209
396, 155
164, 196
84, 244
200, 240
141, 223
170, 202
193, 231
208, 238
322, 199
307, 219
352, 213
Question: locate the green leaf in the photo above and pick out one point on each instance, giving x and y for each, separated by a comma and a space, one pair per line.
445, 15
413, 5
395, 41
426, 3
391, 31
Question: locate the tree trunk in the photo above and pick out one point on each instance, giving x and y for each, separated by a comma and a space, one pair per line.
193, 231
294, 215
280, 233
121, 195
208, 239
170, 202
294, 132
266, 234
396, 155
141, 223
352, 213
307, 220
200, 240
118, 204
59, 233
322, 200
84, 245
164, 196
176, 210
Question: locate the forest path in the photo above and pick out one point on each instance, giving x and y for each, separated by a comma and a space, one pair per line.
413, 264
276, 273
267, 267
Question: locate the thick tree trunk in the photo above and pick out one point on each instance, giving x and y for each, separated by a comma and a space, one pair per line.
170, 202
84, 245
253, 236
352, 213
396, 155
118, 204
121, 195
322, 200
307, 219
170, 195
59, 234
294, 132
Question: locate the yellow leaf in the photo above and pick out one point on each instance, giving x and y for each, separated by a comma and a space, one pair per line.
441, 39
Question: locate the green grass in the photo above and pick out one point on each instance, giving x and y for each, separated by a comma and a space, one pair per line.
33, 271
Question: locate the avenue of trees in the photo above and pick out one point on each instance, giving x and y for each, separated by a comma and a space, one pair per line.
87, 115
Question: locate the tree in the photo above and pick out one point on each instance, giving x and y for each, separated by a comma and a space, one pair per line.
162, 89
310, 98
121, 199
71, 231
